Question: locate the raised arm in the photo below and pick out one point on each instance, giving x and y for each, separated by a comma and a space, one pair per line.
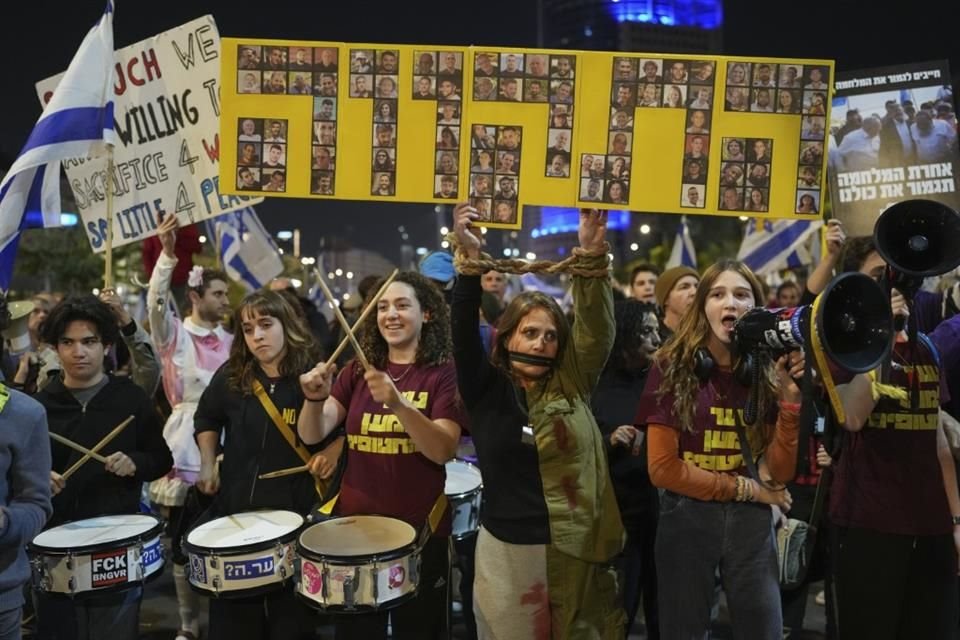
823, 272
473, 366
144, 364
162, 319
594, 326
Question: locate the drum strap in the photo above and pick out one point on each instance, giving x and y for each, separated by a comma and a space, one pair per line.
286, 432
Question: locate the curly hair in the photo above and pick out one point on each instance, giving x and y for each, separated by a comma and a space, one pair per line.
434, 344
629, 315
855, 253
87, 308
510, 319
678, 356
301, 350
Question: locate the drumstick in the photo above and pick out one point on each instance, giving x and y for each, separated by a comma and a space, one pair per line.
343, 323
96, 448
283, 472
363, 316
76, 447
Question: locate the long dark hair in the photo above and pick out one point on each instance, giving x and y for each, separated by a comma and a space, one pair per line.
435, 345
678, 356
301, 348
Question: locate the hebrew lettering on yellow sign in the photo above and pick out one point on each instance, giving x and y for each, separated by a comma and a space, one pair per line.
509, 127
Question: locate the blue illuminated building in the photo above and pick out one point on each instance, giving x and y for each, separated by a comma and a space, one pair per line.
702, 14
676, 26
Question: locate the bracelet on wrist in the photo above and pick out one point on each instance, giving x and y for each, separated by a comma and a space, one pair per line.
956, 520
793, 407
309, 399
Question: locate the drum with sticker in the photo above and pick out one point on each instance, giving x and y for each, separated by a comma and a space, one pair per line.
243, 555
464, 490
358, 564
97, 555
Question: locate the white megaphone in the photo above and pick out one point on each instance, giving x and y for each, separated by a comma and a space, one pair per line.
17, 332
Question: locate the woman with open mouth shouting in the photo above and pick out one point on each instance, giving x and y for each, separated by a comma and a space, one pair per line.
712, 512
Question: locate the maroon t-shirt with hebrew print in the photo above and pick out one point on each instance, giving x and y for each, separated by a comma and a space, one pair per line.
888, 478
713, 443
386, 474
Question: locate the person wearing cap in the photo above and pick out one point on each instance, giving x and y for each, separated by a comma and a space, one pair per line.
675, 290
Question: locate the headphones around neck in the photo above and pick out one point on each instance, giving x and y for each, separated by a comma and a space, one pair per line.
704, 365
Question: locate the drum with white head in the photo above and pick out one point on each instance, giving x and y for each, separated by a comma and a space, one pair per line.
358, 564
464, 490
97, 555
243, 555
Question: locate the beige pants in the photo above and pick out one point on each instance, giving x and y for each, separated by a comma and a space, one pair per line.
514, 599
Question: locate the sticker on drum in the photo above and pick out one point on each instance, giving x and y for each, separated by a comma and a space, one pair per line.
244, 554
358, 563
105, 553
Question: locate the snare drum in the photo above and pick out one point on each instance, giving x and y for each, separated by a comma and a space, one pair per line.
464, 489
97, 555
243, 555
358, 564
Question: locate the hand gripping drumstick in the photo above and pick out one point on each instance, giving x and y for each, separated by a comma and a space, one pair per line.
346, 325
96, 448
283, 472
76, 447
363, 316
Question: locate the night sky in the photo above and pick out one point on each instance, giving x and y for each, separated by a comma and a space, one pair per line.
42, 37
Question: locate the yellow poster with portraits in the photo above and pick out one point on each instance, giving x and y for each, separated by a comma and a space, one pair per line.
506, 128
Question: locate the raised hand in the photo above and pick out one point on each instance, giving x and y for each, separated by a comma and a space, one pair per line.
463, 217
167, 232
593, 229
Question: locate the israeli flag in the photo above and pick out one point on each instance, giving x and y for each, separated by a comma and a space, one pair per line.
683, 253
772, 245
76, 123
248, 252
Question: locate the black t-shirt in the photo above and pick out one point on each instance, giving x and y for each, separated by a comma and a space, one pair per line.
514, 509
252, 445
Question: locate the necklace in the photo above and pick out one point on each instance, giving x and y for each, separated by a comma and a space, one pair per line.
399, 377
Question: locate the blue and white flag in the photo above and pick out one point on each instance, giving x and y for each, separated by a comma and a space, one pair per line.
76, 123
683, 253
247, 250
772, 245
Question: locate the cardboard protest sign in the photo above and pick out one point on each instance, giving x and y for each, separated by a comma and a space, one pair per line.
166, 115
894, 137
509, 127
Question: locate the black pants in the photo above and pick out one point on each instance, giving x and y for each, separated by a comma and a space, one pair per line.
636, 565
896, 587
115, 616
466, 549
276, 616
425, 617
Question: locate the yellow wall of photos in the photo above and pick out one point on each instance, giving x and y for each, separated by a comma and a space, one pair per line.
509, 127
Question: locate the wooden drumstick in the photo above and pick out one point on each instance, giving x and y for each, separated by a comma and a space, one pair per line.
283, 472
96, 448
363, 316
343, 323
76, 447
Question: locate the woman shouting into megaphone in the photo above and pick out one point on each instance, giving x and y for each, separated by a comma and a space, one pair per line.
716, 509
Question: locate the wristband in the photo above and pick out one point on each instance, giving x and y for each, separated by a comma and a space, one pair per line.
956, 520
323, 399
790, 406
